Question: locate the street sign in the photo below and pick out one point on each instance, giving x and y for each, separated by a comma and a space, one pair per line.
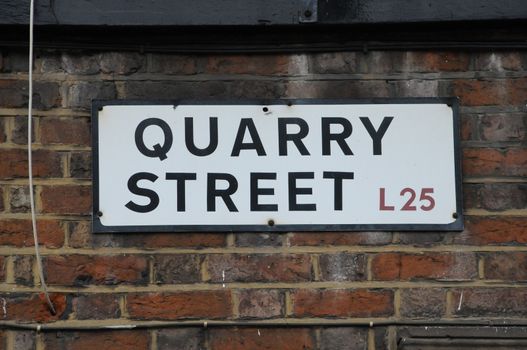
283, 165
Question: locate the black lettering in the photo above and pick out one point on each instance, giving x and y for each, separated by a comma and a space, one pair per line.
213, 137
284, 136
256, 191
341, 137
338, 177
295, 191
145, 192
376, 135
158, 151
180, 183
247, 124
213, 192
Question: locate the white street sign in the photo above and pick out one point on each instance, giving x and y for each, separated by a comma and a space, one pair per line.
282, 166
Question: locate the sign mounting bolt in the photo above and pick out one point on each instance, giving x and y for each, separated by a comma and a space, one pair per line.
99, 213
270, 222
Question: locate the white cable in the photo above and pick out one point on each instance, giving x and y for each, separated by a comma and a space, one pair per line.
30, 160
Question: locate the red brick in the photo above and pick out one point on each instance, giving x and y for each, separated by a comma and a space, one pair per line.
91, 269
13, 94
491, 92
436, 266
18, 233
180, 305
340, 238
494, 162
169, 240
343, 303
261, 339
34, 308
96, 306
259, 268
510, 266
74, 131
482, 231
261, 303
104, 340
68, 199
489, 302
469, 127
248, 64
2, 130
13, 163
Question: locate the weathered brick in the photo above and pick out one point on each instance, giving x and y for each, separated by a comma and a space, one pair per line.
498, 61
19, 131
503, 127
181, 338
107, 340
495, 162
261, 303
3, 334
427, 61
13, 163
509, 266
343, 267
18, 233
80, 165
48, 63
80, 94
381, 61
247, 64
3, 137
417, 88
423, 302
259, 268
34, 308
469, 127
333, 63
80, 63
261, 339
67, 199
24, 340
435, 266
201, 90
173, 64
2, 268
23, 266
71, 131
342, 303
19, 201
339, 89
14, 94
340, 238
180, 305
178, 268
490, 302
502, 230
259, 239
82, 270
495, 197
122, 63
422, 239
96, 306
15, 62
2, 205
344, 338
490, 92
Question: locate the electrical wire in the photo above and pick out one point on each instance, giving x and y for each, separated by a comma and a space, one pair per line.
30, 161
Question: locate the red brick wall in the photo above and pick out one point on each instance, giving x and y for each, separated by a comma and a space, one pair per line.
114, 279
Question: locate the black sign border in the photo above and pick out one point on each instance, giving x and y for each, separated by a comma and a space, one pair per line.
98, 227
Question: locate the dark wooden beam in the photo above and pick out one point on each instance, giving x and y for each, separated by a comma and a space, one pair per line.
256, 12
